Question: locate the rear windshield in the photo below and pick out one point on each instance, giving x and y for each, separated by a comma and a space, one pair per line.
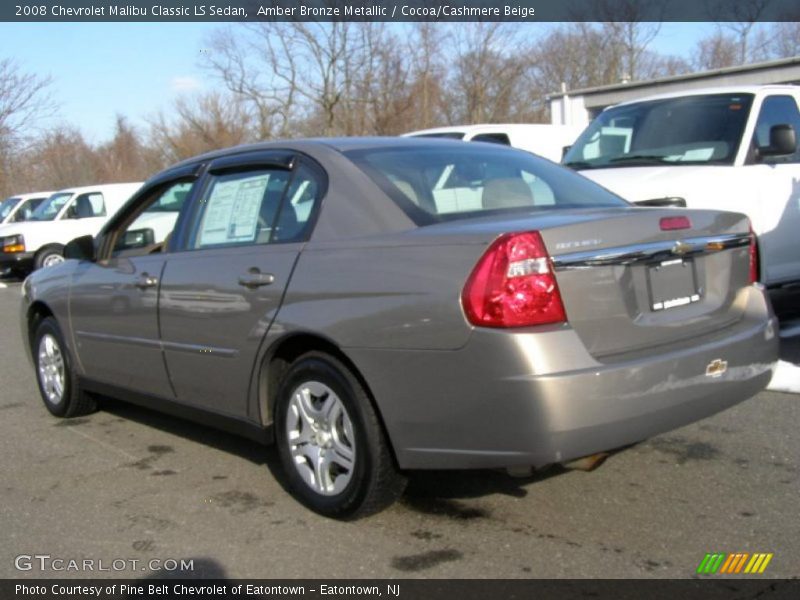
455, 181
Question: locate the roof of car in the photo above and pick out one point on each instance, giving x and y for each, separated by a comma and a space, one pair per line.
340, 144
27, 195
741, 89
484, 127
98, 186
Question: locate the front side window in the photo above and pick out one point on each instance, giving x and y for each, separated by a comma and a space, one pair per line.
49, 209
687, 130
777, 110
150, 230
87, 206
256, 207
434, 183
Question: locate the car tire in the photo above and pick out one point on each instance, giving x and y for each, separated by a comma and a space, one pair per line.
48, 256
332, 446
55, 375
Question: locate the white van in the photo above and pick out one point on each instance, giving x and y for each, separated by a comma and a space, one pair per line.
545, 140
722, 148
20, 207
66, 214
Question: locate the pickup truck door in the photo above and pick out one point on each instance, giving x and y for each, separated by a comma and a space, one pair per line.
777, 185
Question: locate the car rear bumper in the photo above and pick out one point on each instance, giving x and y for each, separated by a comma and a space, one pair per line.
513, 399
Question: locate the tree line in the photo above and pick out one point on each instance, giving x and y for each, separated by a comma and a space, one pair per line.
293, 79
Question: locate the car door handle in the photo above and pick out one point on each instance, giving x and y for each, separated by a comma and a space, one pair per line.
146, 281
255, 279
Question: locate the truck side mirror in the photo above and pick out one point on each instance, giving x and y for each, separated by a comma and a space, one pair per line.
81, 248
782, 141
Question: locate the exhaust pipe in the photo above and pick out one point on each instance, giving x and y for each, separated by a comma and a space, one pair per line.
587, 463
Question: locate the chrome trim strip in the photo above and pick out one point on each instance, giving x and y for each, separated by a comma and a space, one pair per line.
651, 252
150, 343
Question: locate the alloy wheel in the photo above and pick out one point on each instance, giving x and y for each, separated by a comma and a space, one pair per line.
319, 432
51, 368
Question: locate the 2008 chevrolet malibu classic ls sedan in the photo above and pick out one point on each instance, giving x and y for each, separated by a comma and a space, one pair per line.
377, 305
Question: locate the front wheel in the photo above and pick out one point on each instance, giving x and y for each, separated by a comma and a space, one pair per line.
58, 384
333, 449
49, 256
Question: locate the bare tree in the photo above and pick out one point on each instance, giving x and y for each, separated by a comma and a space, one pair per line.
260, 71
785, 39
577, 55
485, 79
429, 68
741, 19
380, 99
199, 124
24, 101
716, 51
60, 158
124, 157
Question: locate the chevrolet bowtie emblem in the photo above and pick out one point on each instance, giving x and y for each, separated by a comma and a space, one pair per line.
681, 248
716, 367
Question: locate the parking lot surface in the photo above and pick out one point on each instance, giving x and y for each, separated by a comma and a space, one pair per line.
129, 484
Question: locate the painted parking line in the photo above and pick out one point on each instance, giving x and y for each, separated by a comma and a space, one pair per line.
3, 285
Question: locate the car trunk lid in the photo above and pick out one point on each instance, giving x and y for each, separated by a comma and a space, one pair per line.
651, 277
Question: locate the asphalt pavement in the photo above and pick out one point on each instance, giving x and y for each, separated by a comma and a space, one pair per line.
127, 484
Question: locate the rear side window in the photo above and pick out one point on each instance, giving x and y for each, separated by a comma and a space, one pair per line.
492, 138
455, 181
256, 207
445, 135
777, 110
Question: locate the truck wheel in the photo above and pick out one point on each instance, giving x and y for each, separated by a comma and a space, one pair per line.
49, 256
331, 443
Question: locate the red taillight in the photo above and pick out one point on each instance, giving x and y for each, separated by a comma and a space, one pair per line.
513, 285
673, 223
753, 257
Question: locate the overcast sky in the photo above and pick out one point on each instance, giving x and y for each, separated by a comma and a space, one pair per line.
135, 69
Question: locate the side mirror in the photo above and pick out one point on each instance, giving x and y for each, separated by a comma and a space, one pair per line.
81, 248
782, 141
136, 238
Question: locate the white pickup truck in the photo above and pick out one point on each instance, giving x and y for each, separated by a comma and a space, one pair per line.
67, 214
722, 148
545, 140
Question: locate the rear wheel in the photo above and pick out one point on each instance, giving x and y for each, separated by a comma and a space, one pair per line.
333, 449
57, 381
49, 256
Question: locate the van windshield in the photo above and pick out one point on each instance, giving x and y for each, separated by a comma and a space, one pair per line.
6, 206
49, 209
687, 130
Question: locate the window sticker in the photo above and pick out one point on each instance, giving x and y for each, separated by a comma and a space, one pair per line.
232, 210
